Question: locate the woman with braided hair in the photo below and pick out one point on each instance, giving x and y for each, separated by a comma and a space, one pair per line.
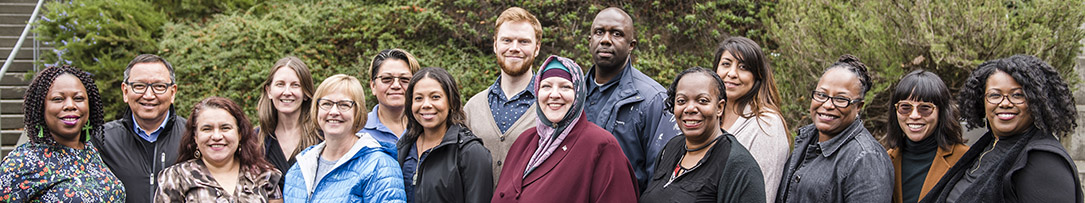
63, 111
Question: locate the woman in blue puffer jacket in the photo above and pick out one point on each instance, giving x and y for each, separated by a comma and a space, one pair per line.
346, 167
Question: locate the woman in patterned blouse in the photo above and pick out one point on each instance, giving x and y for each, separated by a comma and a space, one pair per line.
63, 110
220, 160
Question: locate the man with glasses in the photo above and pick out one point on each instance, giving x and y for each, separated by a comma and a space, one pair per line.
145, 139
506, 109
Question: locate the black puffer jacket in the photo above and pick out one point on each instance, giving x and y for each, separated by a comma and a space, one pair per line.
135, 160
457, 170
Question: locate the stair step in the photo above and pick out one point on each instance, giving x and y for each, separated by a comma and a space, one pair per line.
14, 79
25, 52
13, 92
11, 106
15, 18
9, 41
18, 8
21, 65
12, 29
10, 137
11, 121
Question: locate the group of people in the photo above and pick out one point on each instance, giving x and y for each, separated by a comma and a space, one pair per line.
558, 134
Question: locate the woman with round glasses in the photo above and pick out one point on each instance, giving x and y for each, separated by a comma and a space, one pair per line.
389, 74
1025, 105
347, 166
927, 138
835, 158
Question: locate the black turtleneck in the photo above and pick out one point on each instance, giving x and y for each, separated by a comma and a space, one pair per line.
916, 158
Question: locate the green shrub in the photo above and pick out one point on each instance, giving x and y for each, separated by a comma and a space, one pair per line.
101, 37
949, 38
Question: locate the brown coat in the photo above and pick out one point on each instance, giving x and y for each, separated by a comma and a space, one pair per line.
943, 160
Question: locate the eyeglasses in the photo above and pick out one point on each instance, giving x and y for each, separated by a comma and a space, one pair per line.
343, 105
387, 80
157, 88
839, 102
905, 108
1015, 98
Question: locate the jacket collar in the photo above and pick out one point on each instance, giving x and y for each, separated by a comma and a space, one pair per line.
625, 83
829, 147
129, 124
307, 160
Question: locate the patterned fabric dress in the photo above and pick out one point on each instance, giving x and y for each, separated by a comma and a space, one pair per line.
190, 181
40, 172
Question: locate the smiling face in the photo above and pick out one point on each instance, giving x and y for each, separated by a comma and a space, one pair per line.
389, 85
915, 125
556, 97
736, 76
696, 108
1005, 117
516, 47
285, 91
611, 39
828, 118
149, 108
216, 136
429, 104
66, 108
333, 120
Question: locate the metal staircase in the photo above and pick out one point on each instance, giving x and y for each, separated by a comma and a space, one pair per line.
13, 84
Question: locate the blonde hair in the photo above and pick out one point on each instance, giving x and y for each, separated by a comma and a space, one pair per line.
346, 84
517, 14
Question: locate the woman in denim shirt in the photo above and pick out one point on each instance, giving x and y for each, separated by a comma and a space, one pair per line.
835, 158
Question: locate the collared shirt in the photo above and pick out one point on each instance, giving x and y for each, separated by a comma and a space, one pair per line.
377, 129
153, 135
600, 95
410, 170
850, 167
506, 111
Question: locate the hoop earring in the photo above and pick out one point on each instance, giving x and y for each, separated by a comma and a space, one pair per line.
197, 154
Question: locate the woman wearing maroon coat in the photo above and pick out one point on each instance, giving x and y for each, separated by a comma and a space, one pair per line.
565, 158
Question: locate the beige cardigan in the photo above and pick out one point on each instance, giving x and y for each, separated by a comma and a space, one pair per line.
766, 139
481, 122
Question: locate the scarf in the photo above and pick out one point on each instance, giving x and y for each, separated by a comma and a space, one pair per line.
552, 134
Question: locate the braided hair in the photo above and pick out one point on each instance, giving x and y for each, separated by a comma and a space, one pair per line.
34, 103
853, 65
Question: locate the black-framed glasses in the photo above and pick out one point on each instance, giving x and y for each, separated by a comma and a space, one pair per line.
1015, 98
839, 102
906, 108
387, 80
141, 87
343, 105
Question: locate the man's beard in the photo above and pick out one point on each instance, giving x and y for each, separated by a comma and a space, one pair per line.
526, 66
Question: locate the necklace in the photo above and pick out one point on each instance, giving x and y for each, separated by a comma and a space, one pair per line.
703, 147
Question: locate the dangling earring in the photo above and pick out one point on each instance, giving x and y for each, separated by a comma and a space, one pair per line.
86, 129
197, 153
41, 134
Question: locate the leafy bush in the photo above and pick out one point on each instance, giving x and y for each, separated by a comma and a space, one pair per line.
949, 38
100, 36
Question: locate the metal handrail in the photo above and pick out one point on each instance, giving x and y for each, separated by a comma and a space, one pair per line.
22, 37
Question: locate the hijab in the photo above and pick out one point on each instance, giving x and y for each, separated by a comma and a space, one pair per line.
552, 134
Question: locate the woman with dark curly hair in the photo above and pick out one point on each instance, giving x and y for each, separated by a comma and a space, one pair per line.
835, 158
219, 159
926, 139
63, 110
1024, 104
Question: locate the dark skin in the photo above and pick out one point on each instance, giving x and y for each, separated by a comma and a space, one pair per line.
612, 41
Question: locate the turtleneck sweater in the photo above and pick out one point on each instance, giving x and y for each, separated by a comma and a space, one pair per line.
916, 158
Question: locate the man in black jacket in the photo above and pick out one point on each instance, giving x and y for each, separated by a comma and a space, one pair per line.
145, 139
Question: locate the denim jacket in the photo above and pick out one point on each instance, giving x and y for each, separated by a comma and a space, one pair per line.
850, 167
636, 118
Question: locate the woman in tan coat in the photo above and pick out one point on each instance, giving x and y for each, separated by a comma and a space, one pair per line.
926, 141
